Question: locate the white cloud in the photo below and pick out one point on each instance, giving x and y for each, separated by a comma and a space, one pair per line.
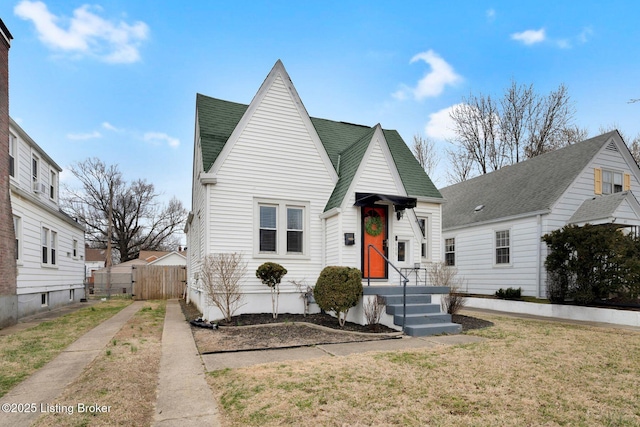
491, 15
434, 82
84, 136
440, 124
157, 138
109, 126
530, 37
87, 33
585, 35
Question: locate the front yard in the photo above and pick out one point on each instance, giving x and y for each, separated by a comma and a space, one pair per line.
528, 372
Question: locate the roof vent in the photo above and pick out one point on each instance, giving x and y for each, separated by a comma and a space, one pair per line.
611, 146
479, 208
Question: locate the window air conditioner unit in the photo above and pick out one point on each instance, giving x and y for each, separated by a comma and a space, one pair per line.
39, 187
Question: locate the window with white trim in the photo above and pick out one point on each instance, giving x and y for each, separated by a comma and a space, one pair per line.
13, 154
49, 246
503, 247
424, 250
295, 230
281, 228
53, 185
450, 251
75, 249
611, 182
44, 299
268, 228
35, 165
17, 227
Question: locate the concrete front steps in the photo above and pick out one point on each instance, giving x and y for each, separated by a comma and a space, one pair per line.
423, 317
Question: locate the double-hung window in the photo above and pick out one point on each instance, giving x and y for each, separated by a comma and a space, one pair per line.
281, 228
13, 149
17, 226
295, 230
450, 251
268, 228
46, 233
49, 246
424, 224
611, 182
503, 247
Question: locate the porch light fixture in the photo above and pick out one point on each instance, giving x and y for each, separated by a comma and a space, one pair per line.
400, 215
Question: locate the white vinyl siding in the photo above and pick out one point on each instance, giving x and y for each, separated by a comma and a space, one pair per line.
273, 160
475, 252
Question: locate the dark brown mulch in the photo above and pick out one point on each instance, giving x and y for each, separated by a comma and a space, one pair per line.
191, 313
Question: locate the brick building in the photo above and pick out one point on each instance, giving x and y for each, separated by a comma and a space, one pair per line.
8, 290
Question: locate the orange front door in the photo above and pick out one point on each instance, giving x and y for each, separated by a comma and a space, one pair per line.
374, 232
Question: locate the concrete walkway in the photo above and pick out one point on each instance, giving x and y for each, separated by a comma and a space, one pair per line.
241, 359
184, 397
49, 381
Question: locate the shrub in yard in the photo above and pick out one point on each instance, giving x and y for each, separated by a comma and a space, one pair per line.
591, 263
373, 309
509, 293
447, 275
271, 273
221, 277
338, 289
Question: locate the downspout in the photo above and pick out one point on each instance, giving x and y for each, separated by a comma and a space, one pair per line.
323, 258
539, 256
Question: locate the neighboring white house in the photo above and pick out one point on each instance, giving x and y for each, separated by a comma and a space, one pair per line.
274, 184
49, 243
493, 224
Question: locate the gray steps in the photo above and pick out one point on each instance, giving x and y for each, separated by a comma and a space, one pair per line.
423, 318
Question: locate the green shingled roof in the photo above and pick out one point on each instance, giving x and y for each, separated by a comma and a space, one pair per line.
345, 144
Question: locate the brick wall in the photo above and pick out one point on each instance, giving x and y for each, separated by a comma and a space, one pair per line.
7, 234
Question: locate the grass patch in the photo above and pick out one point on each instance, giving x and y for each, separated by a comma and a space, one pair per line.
527, 372
125, 380
23, 352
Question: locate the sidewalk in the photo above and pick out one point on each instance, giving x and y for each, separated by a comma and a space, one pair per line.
49, 381
184, 397
214, 362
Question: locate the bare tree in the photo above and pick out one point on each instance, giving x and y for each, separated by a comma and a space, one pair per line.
634, 147
548, 117
425, 152
523, 124
461, 166
140, 222
221, 276
477, 122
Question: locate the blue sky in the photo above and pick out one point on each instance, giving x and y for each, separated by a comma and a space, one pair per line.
117, 79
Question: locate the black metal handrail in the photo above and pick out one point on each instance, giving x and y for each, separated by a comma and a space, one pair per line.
405, 279
407, 271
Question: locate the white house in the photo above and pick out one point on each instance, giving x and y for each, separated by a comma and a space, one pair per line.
274, 184
49, 243
493, 224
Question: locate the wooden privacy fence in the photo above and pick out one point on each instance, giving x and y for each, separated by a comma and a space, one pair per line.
158, 281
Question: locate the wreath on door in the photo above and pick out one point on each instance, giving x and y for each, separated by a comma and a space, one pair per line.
373, 224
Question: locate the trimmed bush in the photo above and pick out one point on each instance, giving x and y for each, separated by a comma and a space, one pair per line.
338, 289
509, 293
271, 273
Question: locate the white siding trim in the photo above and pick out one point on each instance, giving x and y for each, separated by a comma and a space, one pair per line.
277, 73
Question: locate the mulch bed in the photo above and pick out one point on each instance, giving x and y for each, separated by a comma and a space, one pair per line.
262, 331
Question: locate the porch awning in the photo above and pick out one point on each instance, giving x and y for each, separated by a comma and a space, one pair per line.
400, 203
